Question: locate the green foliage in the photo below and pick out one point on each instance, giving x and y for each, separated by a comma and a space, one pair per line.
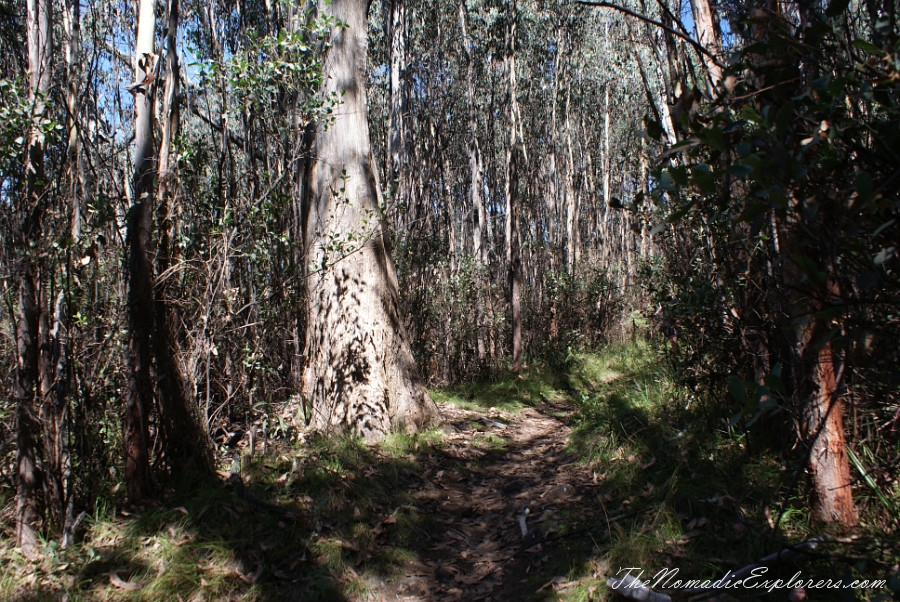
15, 118
276, 73
784, 194
679, 487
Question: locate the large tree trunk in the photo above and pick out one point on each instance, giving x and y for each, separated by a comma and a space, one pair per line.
140, 266
360, 374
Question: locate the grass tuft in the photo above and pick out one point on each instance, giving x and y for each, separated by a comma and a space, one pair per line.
332, 519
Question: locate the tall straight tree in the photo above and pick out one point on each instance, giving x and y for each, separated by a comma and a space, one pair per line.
476, 167
360, 374
513, 254
153, 372
395, 28
140, 266
31, 362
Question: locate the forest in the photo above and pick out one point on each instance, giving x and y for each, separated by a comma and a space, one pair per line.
449, 300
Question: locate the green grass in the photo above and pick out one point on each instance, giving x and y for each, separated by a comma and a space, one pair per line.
676, 487
683, 488
537, 385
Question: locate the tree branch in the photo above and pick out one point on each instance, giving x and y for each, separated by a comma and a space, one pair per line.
696, 45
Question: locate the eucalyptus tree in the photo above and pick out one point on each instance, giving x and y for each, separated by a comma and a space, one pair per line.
513, 253
34, 373
777, 201
360, 374
140, 266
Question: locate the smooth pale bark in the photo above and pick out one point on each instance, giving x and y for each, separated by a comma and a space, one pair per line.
606, 158
476, 184
552, 162
475, 162
573, 210
513, 254
360, 375
655, 99
72, 28
139, 398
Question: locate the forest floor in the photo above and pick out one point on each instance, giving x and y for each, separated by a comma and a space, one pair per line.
538, 487
506, 502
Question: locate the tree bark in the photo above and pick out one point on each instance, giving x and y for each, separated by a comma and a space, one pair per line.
816, 389
513, 254
28, 478
360, 375
29, 277
476, 192
184, 441
816, 385
828, 465
140, 267
708, 36
395, 21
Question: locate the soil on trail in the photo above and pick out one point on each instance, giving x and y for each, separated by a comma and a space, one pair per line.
505, 500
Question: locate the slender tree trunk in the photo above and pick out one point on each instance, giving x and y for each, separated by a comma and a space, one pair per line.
360, 374
708, 36
29, 277
554, 202
72, 28
573, 217
513, 254
140, 266
606, 162
476, 183
184, 441
28, 477
395, 21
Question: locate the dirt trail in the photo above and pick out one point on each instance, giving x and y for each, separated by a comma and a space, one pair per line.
498, 472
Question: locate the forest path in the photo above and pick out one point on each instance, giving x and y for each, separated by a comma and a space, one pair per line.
496, 471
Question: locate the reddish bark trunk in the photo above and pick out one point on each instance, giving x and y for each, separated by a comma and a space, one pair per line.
828, 464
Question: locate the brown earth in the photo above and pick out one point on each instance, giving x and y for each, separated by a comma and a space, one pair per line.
505, 499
